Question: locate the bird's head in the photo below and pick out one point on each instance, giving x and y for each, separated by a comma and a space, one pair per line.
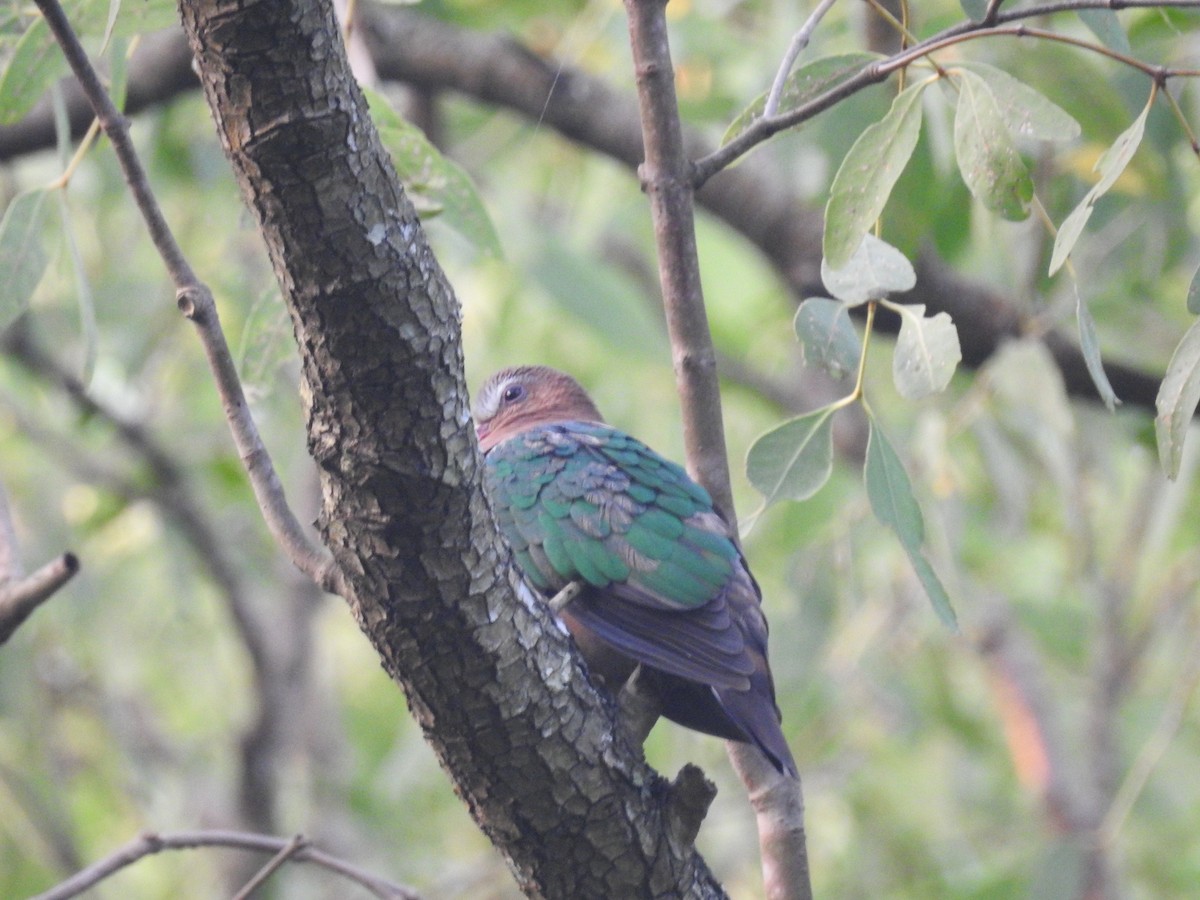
517, 399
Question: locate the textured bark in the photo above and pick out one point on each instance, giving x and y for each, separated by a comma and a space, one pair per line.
531, 746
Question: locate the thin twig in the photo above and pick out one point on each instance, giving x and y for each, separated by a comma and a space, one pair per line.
151, 843
799, 41
765, 127
274, 864
196, 302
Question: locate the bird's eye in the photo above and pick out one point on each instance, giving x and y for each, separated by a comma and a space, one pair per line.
513, 393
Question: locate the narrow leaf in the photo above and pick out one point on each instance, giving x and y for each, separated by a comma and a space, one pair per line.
1112, 162
1177, 399
933, 588
793, 460
988, 159
1089, 344
1069, 233
874, 271
1193, 296
1027, 112
35, 64
890, 491
1110, 165
805, 84
827, 337
927, 352
867, 175
890, 494
113, 19
83, 290
114, 9
22, 254
434, 183
1105, 25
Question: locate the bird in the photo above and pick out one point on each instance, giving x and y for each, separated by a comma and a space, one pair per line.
652, 573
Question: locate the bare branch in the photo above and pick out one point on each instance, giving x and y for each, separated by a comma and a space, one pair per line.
196, 302
799, 41
20, 595
666, 179
274, 864
19, 600
151, 843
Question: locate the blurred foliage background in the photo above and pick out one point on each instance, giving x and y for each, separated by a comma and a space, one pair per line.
934, 764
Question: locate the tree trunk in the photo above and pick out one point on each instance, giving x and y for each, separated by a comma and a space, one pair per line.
531, 746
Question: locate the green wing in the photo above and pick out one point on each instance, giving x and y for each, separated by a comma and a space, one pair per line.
585, 502
588, 503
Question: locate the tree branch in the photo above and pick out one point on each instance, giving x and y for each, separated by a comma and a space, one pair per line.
666, 179
149, 844
18, 600
665, 176
196, 302
20, 595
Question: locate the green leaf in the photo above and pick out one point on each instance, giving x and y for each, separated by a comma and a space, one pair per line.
118, 71
927, 351
827, 337
434, 184
975, 9
865, 179
804, 85
22, 254
83, 289
933, 588
1026, 112
1177, 399
36, 63
1110, 165
793, 460
599, 295
110, 19
110, 24
987, 157
890, 494
1089, 344
1105, 25
1193, 295
875, 270
890, 491
1069, 233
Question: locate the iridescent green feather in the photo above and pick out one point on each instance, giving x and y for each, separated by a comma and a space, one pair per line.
606, 509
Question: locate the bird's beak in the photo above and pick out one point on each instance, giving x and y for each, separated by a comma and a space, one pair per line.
481, 432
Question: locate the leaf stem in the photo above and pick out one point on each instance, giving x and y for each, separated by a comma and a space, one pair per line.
857, 393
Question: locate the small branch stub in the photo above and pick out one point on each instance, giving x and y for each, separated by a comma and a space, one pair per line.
691, 796
19, 599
